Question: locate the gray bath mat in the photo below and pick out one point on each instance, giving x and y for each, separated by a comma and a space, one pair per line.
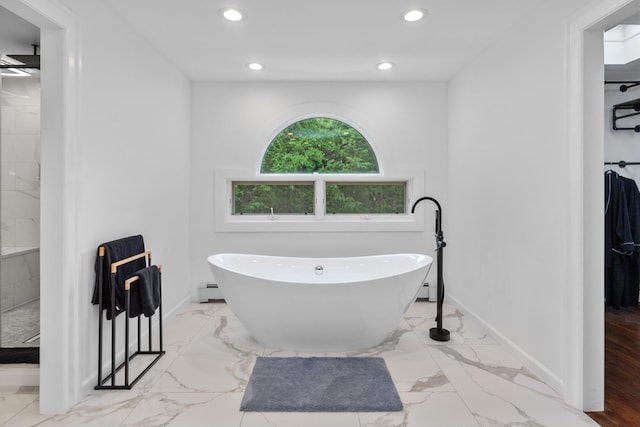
320, 384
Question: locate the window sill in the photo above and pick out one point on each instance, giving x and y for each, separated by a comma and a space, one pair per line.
266, 224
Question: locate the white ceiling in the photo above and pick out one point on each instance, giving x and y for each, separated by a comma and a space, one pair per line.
330, 40
321, 40
630, 71
16, 34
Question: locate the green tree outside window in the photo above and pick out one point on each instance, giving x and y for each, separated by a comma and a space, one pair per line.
321, 145
318, 145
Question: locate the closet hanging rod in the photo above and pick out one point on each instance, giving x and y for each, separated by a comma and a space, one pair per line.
624, 84
622, 163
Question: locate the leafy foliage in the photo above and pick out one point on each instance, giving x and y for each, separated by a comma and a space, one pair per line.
282, 198
318, 145
321, 145
365, 198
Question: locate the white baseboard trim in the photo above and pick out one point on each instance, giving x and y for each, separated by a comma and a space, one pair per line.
551, 379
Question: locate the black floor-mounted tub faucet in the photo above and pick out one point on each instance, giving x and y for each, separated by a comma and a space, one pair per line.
438, 333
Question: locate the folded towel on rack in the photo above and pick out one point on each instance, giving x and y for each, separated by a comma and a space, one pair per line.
115, 251
144, 293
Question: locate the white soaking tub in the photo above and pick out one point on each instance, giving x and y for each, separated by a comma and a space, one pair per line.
320, 304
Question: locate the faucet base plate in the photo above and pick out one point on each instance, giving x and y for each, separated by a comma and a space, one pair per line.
439, 334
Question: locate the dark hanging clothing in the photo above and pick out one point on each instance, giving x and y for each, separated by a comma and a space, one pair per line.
632, 284
632, 197
622, 241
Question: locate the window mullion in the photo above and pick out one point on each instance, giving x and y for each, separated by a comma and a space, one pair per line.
320, 198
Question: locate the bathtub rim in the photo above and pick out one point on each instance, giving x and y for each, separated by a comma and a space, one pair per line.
426, 261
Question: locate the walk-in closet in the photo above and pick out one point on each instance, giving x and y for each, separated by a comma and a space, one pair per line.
622, 228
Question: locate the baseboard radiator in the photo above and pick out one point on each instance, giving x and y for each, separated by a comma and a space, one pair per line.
209, 292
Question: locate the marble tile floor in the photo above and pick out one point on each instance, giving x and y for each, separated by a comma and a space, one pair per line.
21, 326
470, 381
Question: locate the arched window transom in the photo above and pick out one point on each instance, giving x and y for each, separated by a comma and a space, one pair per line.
319, 145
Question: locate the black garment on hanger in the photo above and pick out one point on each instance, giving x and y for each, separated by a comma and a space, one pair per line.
622, 241
632, 283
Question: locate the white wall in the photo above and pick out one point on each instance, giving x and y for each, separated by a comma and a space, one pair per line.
134, 128
508, 186
232, 124
130, 161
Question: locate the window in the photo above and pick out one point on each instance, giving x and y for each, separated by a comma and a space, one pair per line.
318, 173
365, 198
268, 198
319, 145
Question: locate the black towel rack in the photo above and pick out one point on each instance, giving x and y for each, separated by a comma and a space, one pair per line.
622, 163
113, 268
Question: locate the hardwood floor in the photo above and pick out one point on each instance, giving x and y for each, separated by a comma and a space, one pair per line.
622, 369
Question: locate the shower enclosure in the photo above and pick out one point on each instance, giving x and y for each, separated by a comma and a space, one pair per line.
19, 207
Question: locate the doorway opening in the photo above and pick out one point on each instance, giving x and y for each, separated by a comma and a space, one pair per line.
59, 385
589, 122
622, 272
20, 190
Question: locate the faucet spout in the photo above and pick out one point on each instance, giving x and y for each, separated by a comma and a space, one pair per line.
413, 208
439, 235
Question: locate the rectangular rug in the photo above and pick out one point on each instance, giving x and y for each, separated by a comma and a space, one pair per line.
320, 384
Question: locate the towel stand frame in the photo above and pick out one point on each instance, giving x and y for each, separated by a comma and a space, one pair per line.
127, 384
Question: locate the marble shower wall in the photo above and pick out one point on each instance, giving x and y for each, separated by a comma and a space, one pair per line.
20, 157
20, 279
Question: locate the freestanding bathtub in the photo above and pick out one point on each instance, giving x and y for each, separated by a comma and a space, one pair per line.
320, 304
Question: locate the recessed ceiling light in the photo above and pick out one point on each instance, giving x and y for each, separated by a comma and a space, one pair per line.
255, 66
385, 65
413, 15
231, 14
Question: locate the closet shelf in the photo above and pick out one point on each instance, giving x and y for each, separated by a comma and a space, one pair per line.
633, 104
619, 112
